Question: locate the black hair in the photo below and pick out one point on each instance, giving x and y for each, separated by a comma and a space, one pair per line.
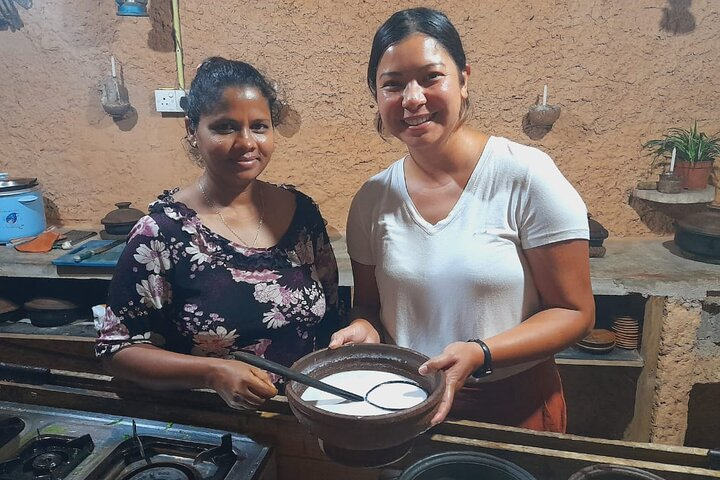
401, 25
404, 23
214, 75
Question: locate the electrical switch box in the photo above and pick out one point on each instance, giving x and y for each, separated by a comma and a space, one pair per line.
167, 100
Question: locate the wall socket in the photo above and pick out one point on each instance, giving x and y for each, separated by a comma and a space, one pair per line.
167, 100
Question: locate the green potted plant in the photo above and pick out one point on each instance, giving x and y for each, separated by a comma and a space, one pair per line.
695, 153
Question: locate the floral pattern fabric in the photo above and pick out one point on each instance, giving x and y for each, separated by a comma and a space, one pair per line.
180, 286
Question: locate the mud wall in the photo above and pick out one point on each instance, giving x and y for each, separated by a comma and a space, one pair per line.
623, 72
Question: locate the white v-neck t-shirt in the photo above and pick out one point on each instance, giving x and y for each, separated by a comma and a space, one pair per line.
465, 276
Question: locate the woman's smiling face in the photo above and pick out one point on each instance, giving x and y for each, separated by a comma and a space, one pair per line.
420, 91
236, 139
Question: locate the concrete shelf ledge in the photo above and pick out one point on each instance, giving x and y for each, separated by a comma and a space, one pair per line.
684, 197
618, 357
648, 266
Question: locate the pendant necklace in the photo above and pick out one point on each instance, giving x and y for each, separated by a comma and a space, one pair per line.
212, 205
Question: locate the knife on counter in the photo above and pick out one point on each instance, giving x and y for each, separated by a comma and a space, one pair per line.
85, 254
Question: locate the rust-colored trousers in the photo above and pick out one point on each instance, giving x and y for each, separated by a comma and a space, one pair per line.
531, 399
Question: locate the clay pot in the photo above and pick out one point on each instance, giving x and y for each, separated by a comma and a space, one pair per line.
693, 176
366, 441
669, 183
51, 312
9, 311
119, 222
598, 234
464, 466
543, 115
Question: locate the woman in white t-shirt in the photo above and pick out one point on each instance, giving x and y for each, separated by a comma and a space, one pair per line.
471, 249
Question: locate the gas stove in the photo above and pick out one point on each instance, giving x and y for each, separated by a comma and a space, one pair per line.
45, 443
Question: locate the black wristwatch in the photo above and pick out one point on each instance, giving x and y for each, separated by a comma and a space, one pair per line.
486, 368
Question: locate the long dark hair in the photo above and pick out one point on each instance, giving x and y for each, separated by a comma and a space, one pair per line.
214, 75
404, 23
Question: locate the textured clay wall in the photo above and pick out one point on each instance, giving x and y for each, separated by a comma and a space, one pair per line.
685, 359
623, 72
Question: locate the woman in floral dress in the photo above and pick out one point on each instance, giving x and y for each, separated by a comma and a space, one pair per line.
229, 263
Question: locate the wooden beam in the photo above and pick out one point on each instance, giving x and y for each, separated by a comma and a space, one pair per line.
640, 427
64, 353
667, 471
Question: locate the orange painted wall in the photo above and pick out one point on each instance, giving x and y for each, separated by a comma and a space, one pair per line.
623, 72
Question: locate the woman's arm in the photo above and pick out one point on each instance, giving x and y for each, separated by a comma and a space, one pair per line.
365, 314
561, 272
239, 384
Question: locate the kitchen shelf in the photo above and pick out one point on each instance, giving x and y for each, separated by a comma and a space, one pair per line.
648, 266
84, 327
618, 357
684, 197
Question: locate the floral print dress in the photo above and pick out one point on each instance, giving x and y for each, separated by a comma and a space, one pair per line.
182, 287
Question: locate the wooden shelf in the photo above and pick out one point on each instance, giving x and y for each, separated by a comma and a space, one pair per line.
684, 197
618, 357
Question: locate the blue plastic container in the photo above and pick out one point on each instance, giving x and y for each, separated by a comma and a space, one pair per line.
22, 209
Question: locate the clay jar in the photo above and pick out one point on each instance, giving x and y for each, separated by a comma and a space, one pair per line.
366, 441
119, 222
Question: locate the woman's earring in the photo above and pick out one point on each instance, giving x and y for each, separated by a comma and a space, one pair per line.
193, 144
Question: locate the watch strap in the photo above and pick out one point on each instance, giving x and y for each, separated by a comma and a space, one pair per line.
486, 368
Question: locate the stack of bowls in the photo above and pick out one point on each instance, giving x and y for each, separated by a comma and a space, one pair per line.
627, 332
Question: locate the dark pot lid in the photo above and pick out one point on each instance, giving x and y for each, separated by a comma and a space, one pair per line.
705, 223
47, 303
9, 184
597, 231
124, 215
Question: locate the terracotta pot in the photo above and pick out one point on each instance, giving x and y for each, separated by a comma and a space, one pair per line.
366, 441
693, 176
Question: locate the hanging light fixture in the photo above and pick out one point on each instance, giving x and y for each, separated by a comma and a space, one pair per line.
132, 8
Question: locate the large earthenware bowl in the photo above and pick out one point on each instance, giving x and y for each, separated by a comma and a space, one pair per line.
366, 441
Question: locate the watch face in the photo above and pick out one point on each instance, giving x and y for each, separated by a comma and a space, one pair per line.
481, 372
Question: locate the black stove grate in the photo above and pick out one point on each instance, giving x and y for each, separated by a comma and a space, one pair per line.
148, 457
47, 457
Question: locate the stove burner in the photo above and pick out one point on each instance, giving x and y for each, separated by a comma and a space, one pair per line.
10, 428
47, 458
46, 462
164, 471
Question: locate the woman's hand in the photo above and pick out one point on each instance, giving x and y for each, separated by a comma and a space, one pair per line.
241, 386
359, 331
459, 360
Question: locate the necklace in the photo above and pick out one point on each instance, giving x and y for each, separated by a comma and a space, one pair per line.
212, 205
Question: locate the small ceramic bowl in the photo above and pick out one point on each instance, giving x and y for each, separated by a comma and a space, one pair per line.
366, 441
